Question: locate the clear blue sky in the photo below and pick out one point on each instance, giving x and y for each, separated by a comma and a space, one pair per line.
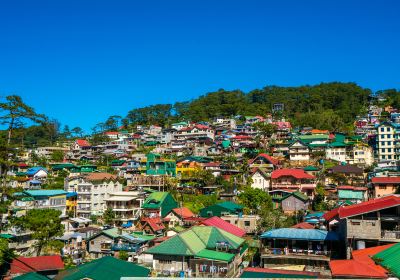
81, 61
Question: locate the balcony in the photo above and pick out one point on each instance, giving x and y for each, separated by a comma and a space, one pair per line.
296, 253
391, 234
125, 247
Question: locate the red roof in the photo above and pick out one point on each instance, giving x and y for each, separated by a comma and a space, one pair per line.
224, 225
155, 223
183, 212
239, 137
22, 265
361, 265
352, 188
82, 143
364, 207
23, 164
280, 271
296, 173
111, 133
385, 180
212, 164
303, 225
267, 157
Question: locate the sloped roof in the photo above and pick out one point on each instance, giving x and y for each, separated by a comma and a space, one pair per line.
353, 188
33, 264
224, 225
215, 255
296, 173
361, 265
390, 259
154, 200
385, 180
354, 269
106, 268
155, 223
195, 239
100, 176
183, 212
272, 160
303, 225
300, 234
33, 170
31, 276
82, 143
363, 207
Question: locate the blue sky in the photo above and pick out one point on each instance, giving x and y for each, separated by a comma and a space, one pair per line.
82, 61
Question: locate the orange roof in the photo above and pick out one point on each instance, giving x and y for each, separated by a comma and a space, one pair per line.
183, 212
303, 225
82, 143
317, 131
361, 265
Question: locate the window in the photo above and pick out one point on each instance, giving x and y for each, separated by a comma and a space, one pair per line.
389, 136
383, 150
382, 187
388, 129
92, 242
389, 157
383, 157
389, 150
246, 223
382, 129
165, 261
355, 223
382, 136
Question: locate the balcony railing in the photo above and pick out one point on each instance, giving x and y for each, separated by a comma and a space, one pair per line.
296, 252
124, 247
391, 234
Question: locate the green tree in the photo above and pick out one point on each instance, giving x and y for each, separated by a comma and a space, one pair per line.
108, 216
254, 199
265, 131
6, 254
15, 113
123, 255
45, 225
77, 131
57, 156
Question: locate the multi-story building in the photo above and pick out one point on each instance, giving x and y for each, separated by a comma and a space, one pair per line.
155, 165
293, 179
298, 151
92, 190
41, 199
388, 135
367, 224
125, 205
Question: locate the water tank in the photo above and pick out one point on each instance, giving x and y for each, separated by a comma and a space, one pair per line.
360, 244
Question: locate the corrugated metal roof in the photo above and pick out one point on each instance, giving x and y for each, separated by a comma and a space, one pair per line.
224, 225
300, 234
390, 259
45, 192
214, 255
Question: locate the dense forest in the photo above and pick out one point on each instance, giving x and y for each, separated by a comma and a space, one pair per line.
332, 106
326, 106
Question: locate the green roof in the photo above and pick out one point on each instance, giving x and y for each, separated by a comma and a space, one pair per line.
194, 240
310, 168
45, 192
106, 268
140, 235
390, 259
160, 200
230, 205
215, 255
300, 195
6, 236
31, 276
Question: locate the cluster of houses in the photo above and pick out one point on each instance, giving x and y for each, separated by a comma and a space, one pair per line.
358, 174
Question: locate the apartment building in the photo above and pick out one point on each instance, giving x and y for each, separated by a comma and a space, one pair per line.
92, 190
387, 136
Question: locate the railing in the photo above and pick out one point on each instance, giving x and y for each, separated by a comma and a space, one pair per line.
282, 185
124, 247
391, 234
296, 252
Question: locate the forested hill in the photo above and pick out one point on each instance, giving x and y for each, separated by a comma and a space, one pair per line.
326, 106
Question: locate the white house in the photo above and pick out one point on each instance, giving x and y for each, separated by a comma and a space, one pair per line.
261, 179
298, 151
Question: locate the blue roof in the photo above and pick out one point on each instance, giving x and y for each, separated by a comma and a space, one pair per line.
35, 182
300, 234
45, 192
314, 215
33, 170
71, 194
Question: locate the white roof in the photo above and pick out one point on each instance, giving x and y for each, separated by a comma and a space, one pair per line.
81, 220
